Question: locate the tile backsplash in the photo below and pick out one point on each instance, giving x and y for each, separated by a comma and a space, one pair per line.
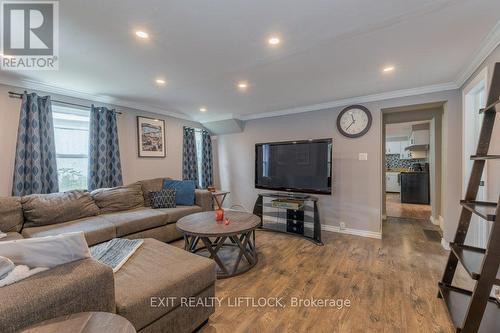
392, 161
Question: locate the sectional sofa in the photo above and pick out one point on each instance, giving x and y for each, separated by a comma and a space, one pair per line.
157, 270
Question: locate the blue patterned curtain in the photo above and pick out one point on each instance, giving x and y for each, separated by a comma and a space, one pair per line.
104, 155
35, 167
206, 160
189, 160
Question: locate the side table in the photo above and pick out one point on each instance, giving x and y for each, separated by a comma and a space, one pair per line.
88, 322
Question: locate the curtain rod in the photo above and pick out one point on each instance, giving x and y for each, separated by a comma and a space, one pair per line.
17, 95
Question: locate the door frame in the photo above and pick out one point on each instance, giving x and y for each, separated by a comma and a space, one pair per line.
480, 79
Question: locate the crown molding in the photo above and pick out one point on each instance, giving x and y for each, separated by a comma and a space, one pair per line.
356, 100
51, 89
488, 45
215, 117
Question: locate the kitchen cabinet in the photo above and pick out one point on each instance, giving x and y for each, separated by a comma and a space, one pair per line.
393, 147
392, 182
405, 154
420, 137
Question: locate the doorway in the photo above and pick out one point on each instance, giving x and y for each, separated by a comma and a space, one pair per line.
419, 131
407, 170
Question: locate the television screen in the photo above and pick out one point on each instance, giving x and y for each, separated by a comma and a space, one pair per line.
298, 166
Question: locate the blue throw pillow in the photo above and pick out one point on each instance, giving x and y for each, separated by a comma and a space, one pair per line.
184, 190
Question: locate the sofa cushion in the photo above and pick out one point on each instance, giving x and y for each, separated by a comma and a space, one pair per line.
119, 198
174, 214
96, 229
11, 214
151, 185
46, 209
159, 270
132, 221
80, 286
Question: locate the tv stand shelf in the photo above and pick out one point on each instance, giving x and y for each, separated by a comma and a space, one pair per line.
288, 213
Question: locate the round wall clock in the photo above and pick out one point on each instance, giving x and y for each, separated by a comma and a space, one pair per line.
354, 121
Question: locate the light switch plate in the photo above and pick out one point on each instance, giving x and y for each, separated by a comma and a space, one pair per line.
363, 156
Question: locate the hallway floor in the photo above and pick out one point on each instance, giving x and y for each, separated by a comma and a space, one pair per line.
390, 282
395, 208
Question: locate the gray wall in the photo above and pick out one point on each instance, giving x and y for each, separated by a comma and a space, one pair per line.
357, 185
493, 167
133, 167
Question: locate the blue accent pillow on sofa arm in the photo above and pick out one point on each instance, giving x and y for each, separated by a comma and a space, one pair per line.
184, 190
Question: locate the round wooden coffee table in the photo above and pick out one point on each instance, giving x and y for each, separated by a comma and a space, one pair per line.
232, 246
84, 322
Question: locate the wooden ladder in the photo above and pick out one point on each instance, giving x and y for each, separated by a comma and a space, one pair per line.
475, 311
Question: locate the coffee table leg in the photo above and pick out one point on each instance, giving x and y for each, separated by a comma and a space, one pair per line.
213, 252
190, 242
243, 247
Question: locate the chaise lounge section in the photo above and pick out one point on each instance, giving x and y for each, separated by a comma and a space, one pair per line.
155, 271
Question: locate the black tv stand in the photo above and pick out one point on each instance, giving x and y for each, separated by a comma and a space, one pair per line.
291, 213
291, 195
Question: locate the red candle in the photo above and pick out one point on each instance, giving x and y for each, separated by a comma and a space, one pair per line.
219, 214
226, 221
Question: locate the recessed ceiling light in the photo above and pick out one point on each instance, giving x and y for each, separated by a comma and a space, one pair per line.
388, 69
160, 82
242, 85
203, 109
274, 41
142, 34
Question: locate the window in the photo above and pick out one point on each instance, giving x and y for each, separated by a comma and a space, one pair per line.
71, 131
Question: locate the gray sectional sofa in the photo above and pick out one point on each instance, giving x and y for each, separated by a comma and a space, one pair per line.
156, 270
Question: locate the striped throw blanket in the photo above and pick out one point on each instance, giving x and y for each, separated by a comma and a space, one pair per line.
116, 252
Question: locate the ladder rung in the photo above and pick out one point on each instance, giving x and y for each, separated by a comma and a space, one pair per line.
486, 210
491, 107
457, 302
470, 257
485, 157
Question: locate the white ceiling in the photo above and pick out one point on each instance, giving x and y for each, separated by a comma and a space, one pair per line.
331, 50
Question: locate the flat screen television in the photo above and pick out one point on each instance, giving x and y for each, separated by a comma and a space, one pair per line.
295, 166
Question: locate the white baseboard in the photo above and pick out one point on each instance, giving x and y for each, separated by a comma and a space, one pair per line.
437, 221
349, 231
441, 222
445, 244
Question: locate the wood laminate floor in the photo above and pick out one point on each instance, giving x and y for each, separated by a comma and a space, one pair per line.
395, 208
391, 284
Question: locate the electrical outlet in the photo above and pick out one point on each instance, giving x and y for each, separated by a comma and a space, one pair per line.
342, 225
363, 156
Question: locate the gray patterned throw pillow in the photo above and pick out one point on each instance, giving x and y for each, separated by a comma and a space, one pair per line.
162, 199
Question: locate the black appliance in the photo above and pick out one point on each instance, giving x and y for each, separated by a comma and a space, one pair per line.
298, 166
415, 187
420, 167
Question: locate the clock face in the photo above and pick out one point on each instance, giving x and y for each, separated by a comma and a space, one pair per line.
354, 121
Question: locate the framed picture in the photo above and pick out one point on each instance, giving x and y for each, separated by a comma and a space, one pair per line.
151, 137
